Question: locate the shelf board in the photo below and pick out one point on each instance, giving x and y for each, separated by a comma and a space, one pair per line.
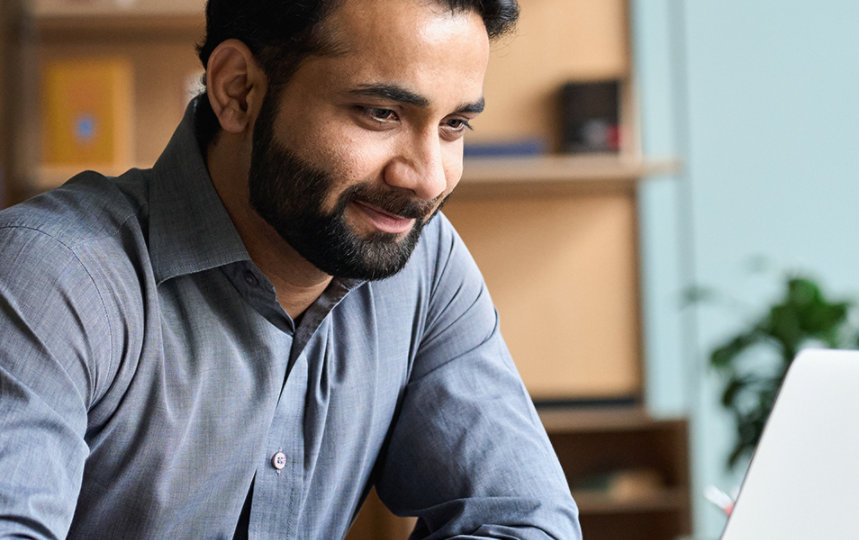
546, 173
483, 175
558, 420
97, 18
663, 500
118, 8
51, 176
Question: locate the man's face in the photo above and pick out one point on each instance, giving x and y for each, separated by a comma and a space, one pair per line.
359, 149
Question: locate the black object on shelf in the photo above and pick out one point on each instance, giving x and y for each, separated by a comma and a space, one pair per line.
591, 116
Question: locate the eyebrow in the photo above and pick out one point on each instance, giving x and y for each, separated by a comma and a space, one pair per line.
401, 95
476, 107
391, 92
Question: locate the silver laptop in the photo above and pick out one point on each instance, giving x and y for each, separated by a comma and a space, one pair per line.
803, 481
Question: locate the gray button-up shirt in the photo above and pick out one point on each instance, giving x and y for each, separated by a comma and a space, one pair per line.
149, 378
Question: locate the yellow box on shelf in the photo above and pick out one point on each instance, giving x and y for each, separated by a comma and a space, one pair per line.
86, 112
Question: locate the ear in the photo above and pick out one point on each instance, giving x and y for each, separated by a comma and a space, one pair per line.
236, 85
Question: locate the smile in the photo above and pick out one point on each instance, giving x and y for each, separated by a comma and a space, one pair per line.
383, 221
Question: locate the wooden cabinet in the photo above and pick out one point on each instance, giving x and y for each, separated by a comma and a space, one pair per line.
628, 473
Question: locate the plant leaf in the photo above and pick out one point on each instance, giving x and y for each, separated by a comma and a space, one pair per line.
723, 357
733, 387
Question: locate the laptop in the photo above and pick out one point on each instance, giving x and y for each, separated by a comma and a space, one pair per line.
803, 480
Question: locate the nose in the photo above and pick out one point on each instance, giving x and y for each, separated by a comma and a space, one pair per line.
419, 167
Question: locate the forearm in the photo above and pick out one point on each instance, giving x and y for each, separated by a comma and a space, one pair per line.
469, 457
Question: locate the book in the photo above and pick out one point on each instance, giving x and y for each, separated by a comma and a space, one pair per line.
525, 147
86, 112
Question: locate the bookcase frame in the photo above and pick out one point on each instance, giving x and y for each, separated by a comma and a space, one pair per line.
570, 313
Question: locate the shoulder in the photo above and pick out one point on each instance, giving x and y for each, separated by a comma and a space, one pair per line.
88, 208
92, 222
441, 255
95, 223
444, 283
440, 269
72, 260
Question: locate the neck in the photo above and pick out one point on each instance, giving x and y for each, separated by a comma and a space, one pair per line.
297, 282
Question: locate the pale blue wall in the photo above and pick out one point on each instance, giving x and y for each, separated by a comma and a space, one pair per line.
760, 101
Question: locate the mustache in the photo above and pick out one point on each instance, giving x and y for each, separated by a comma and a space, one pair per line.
393, 202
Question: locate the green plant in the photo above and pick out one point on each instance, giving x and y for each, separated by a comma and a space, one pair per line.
802, 316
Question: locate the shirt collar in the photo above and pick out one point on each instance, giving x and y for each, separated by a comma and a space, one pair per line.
189, 228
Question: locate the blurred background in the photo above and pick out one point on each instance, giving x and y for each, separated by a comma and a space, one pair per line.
632, 151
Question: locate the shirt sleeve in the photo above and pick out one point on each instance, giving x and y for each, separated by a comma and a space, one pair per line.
468, 455
52, 328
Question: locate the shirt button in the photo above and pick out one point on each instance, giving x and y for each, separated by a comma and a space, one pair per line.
278, 460
251, 279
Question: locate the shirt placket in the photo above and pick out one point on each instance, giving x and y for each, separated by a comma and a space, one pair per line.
279, 485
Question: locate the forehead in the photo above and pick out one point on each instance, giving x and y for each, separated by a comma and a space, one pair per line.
379, 18
414, 42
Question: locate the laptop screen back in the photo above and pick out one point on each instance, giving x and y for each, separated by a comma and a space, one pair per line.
803, 481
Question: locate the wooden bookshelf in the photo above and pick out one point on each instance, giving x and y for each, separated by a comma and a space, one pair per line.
156, 37
556, 236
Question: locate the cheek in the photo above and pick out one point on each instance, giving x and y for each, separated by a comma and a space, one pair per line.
358, 159
353, 163
349, 163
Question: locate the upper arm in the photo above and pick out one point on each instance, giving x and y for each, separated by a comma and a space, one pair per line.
468, 454
54, 336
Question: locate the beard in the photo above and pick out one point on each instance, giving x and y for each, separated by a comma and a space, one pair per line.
289, 194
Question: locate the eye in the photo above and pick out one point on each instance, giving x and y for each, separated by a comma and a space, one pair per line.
380, 115
457, 124
455, 127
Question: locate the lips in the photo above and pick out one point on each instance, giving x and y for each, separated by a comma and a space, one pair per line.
385, 221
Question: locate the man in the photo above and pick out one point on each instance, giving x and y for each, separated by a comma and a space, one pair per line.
244, 339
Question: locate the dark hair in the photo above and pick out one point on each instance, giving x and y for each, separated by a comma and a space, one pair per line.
281, 33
